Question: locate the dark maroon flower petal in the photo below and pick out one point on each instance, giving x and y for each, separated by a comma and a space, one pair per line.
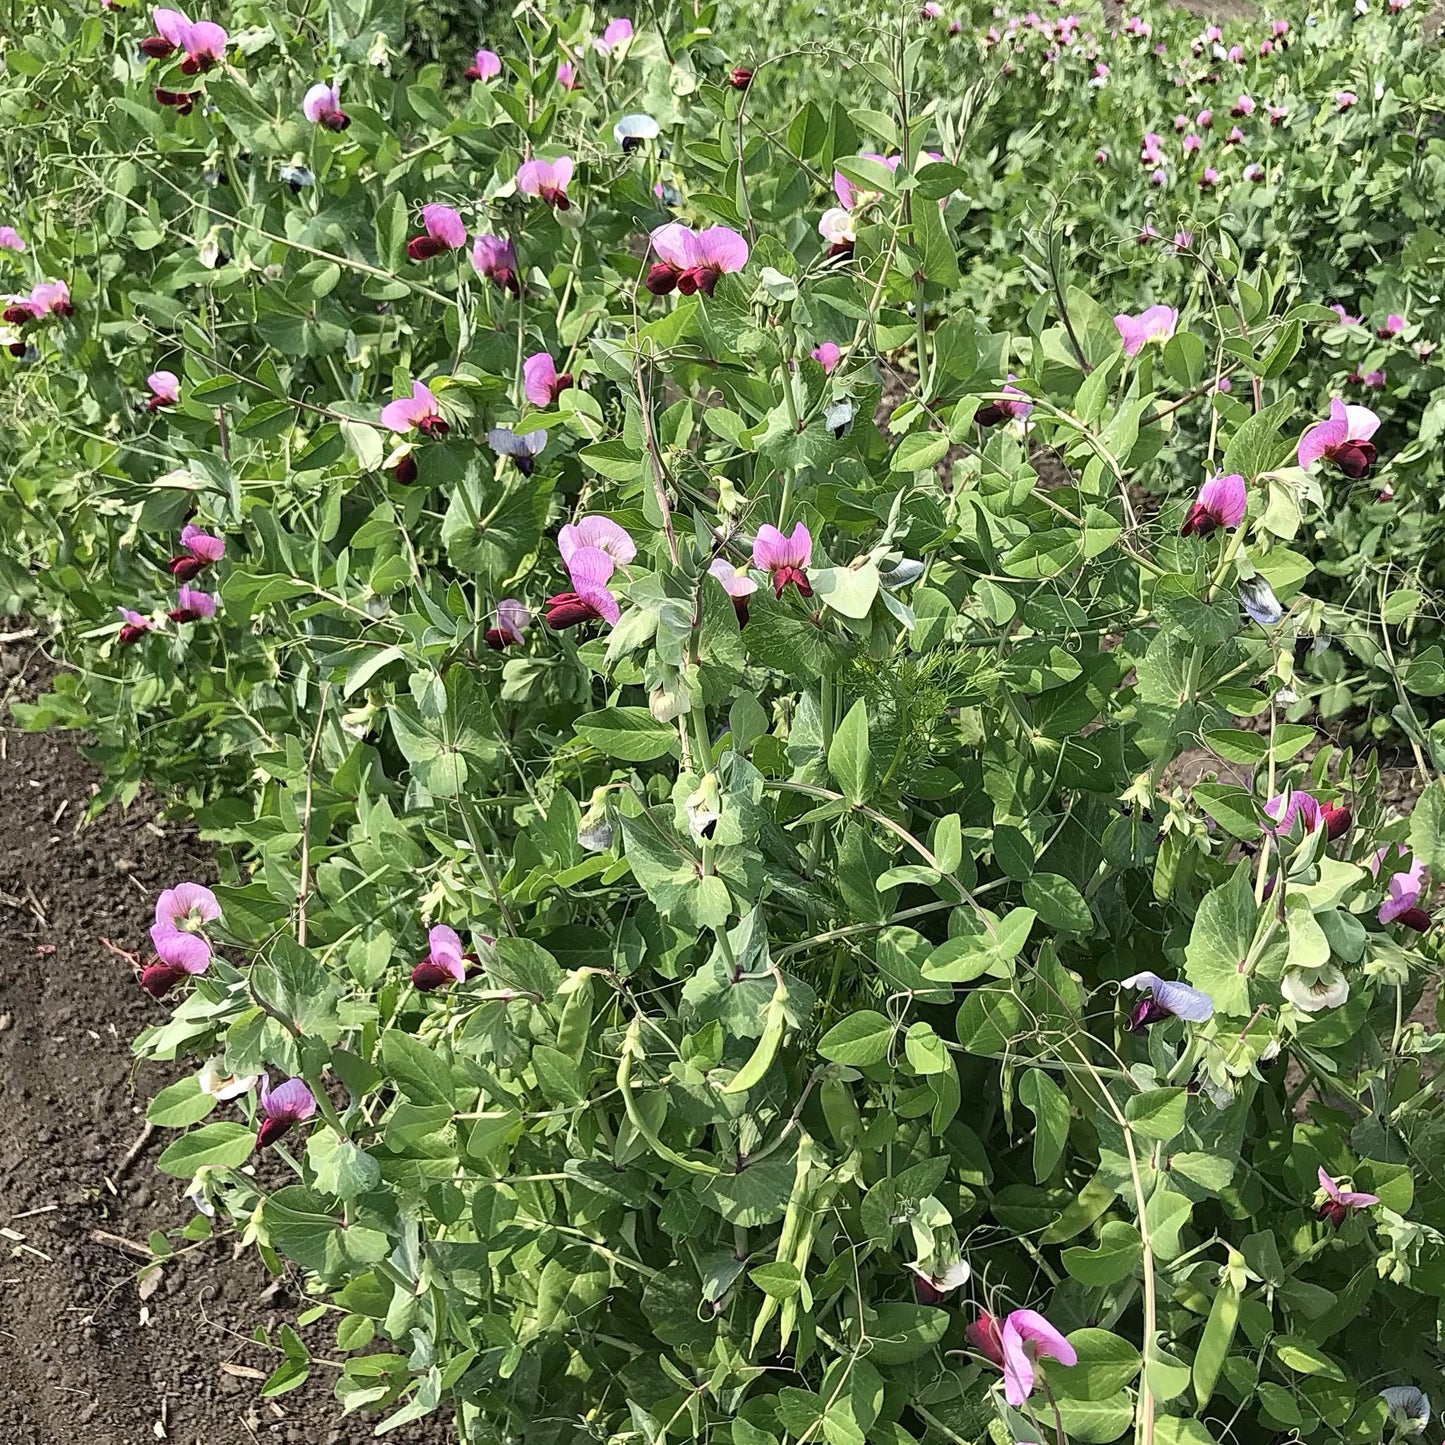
1199, 522
1337, 819
157, 47
662, 279
1333, 1212
185, 567
1147, 1011
740, 77
924, 1292
567, 609
335, 120
428, 975
270, 1131
158, 978
423, 248
1354, 458
1415, 918
405, 470
432, 426
130, 634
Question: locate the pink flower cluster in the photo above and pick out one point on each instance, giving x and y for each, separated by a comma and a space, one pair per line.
592, 549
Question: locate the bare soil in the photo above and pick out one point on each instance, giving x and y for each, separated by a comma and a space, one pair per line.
83, 1359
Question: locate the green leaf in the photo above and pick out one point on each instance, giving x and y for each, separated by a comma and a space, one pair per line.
849, 591
225, 1144
860, 1039
180, 1104
779, 1280
391, 226
849, 759
299, 989
919, 452
1427, 827
1096, 1422
1219, 944
629, 733
1115, 1257
1058, 903
1304, 1358
1106, 1364
1157, 1113
1256, 446
925, 1051
1050, 1107
420, 1073
341, 1168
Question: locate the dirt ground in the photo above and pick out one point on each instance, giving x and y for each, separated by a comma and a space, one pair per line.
83, 1359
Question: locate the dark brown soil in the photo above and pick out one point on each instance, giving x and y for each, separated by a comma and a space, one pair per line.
83, 1359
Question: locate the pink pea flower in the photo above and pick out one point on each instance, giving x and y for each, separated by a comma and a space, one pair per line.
1234, 137
494, 258
567, 76
589, 569
1403, 894
1338, 1203
1345, 318
1183, 240
786, 559
289, 1103
1156, 324
51, 298
1013, 405
1204, 119
1254, 171
512, 620
1242, 107
1344, 99
444, 232
1266, 47
321, 105
546, 180
827, 354
615, 37
1425, 350
1223, 385
198, 550
1375, 380
444, 962
10, 239
1279, 28
165, 390
1192, 144
540, 382
418, 412
692, 261
1181, 122
134, 625
486, 65
985, 1334
178, 936
1276, 113
1026, 1338
1212, 33
601, 533
203, 42
1343, 439
1296, 806
1393, 326
1221, 503
192, 605
1147, 233
1159, 177
736, 583
1235, 55
1101, 157
1209, 179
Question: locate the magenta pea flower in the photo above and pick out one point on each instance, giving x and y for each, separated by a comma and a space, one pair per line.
1209, 179
287, 1104
540, 380
444, 962
1276, 113
1191, 144
1235, 136
785, 558
1166, 999
10, 239
444, 231
1339, 1203
736, 583
1026, 1338
1343, 439
615, 38
567, 76
1204, 119
494, 258
486, 65
1345, 318
1159, 177
134, 625
600, 532
589, 569
1296, 806
1403, 894
1254, 172
693, 261
1344, 99
321, 105
192, 605
1156, 324
198, 550
1279, 28
417, 412
1181, 122
547, 180
512, 620
1393, 326
827, 354
1242, 107
178, 936
165, 390
1221, 503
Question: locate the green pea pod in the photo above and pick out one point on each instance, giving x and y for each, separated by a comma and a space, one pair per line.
632, 1050
1214, 1343
576, 1021
766, 1051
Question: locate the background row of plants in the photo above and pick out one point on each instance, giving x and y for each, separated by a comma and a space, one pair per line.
676, 976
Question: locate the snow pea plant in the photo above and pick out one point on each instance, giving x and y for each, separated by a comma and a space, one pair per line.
768, 891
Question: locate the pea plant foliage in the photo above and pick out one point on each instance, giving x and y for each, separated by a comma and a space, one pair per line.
772, 882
